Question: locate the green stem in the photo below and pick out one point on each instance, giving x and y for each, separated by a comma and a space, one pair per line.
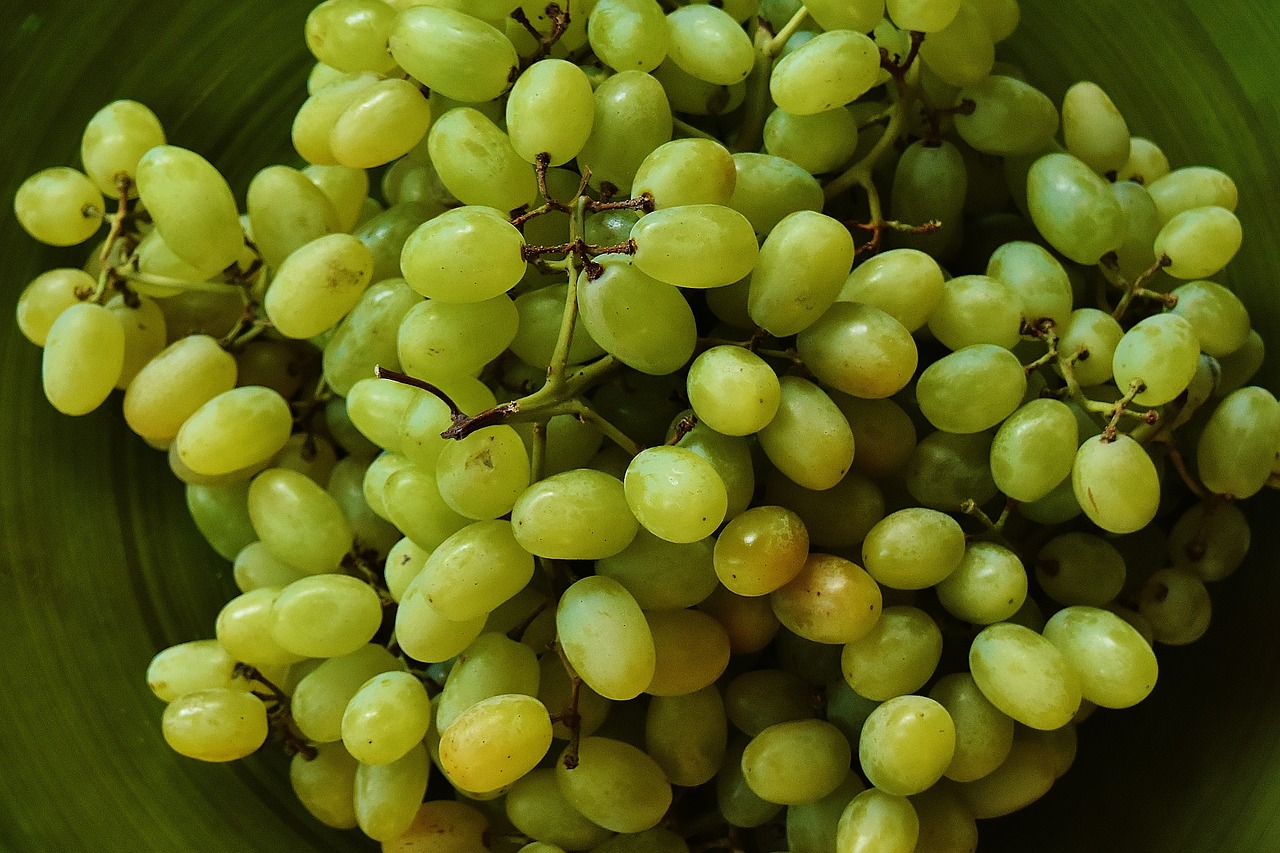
687, 131
859, 174
177, 283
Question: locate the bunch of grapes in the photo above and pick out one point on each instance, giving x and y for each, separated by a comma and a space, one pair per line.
639, 425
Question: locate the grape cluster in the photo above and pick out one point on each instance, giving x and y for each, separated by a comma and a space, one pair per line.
748, 425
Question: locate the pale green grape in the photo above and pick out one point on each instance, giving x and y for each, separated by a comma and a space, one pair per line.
216, 724
675, 494
983, 733
913, 548
453, 53
929, 185
114, 141
387, 796
801, 268
1034, 449
821, 142
1009, 117
495, 742
632, 118
376, 407
808, 439
425, 635
662, 575
760, 550
906, 745
687, 735
827, 72
989, 585
645, 323
696, 245
1024, 777
221, 514
550, 110
1093, 335
686, 171
1147, 163
443, 826
831, 600
536, 807
860, 15
83, 358
383, 123
1094, 130
947, 469
738, 804
318, 285
347, 189
768, 189
1080, 568
467, 254
411, 500
1037, 278
493, 665
1117, 667
926, 16
977, 309
615, 785
386, 718
605, 636
883, 434
59, 206
255, 567
325, 616
386, 233
243, 628
351, 35
877, 822
476, 162
313, 125
709, 44
192, 207
1237, 449
731, 456
963, 52
475, 570
799, 761
286, 212
439, 340
1116, 484
1073, 208
367, 337
906, 283
1141, 225
1219, 318
46, 297
1025, 676
191, 666
325, 785
688, 94
580, 514
860, 350
321, 697
1188, 188
1177, 606
628, 35
897, 656
733, 390
760, 698
235, 430
1210, 539
972, 389
323, 76
298, 521
1199, 242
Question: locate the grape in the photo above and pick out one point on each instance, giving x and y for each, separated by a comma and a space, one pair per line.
750, 622
59, 206
298, 521
906, 283
1034, 449
632, 118
325, 616
860, 350
1199, 242
1039, 280
859, 15
686, 171
579, 514
325, 785
1080, 568
929, 185
550, 110
662, 575
831, 600
313, 124
983, 733
801, 267
977, 309
318, 284
913, 548
467, 254
768, 189
192, 207
1116, 484
691, 651
827, 72
235, 430
694, 245
906, 745
386, 796
988, 586
946, 826
1218, 316
731, 456
452, 53
675, 494
760, 550
1210, 539
1188, 188
948, 469
897, 656
1094, 130
819, 143
1009, 117
962, 53
495, 742
687, 735
386, 718
877, 821
475, 570
351, 35
629, 35
883, 434
1074, 208
808, 439
1117, 667
645, 323
1141, 225
1236, 450
555, 686
83, 358
1025, 676
733, 390
1024, 777
1177, 606
537, 808
215, 724
383, 123
286, 212
688, 94
255, 567
477, 163
191, 666
972, 389
615, 785
1094, 336
738, 804
796, 762
443, 825
708, 44
605, 636
425, 635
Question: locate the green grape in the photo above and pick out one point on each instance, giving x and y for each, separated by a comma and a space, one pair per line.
913, 548
191, 666
377, 407
313, 125
83, 358
687, 735
1039, 280
243, 628
235, 430
808, 439
425, 635
427, 416
645, 323
632, 118
836, 517
216, 724
46, 297
688, 94
962, 53
1199, 242
883, 434
386, 796
821, 142
926, 16
550, 110
452, 53
1073, 208
929, 185
351, 35
877, 822
662, 575
1188, 188
1024, 777
906, 745
675, 494
1237, 449
605, 636
738, 804
286, 212
221, 514
325, 785
1093, 336
318, 285
1219, 318
897, 656
366, 338
276, 364
1034, 449
1210, 540
610, 227
831, 600
386, 233
1116, 484
1177, 606
760, 698
615, 785
860, 350
325, 616
1146, 164
1141, 225
828, 71
439, 340
580, 514
1117, 667
972, 389
1094, 130
386, 718
410, 499
298, 521
988, 586
1080, 568
628, 35
686, 171
255, 567
948, 469
656, 840
798, 761
1009, 117
192, 207
731, 456
475, 570
1239, 367
906, 283
945, 823
476, 162
114, 141
383, 123
537, 808
709, 44
59, 206
768, 189
695, 245
760, 550
495, 742
691, 649
1025, 676
468, 254
733, 390
801, 268
983, 733
444, 826
555, 688
977, 309
859, 15
811, 827
347, 189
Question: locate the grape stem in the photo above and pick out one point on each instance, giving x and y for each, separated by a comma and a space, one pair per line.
124, 184
1111, 272
757, 103
559, 24
684, 129
683, 427
569, 716
1184, 473
279, 717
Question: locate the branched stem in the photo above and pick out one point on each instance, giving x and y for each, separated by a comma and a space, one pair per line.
1137, 288
279, 716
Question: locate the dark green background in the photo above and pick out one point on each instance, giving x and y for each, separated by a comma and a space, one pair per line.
100, 566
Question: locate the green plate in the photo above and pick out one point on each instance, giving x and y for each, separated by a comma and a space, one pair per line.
100, 566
